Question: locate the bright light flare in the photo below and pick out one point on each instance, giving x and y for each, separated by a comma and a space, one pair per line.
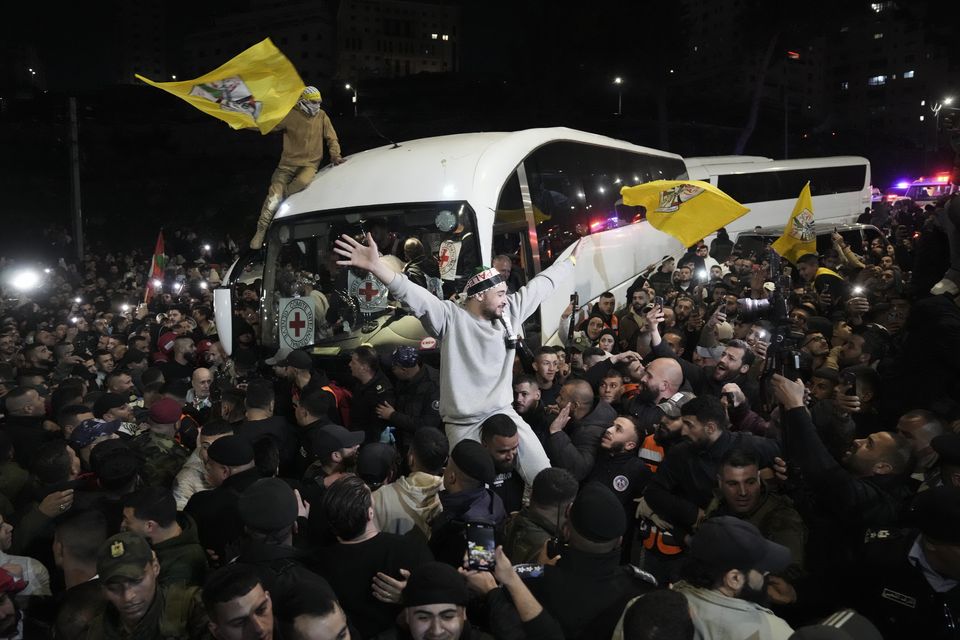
25, 280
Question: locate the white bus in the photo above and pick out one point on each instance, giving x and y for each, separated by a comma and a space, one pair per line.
839, 185
466, 198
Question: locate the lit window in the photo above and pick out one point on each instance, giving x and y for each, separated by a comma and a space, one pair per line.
877, 36
908, 74
433, 36
921, 118
446, 37
844, 86
876, 81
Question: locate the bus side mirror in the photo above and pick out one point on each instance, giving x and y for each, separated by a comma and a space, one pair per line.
223, 315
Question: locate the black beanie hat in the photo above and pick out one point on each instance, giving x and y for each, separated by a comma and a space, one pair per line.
435, 583
474, 460
231, 451
597, 515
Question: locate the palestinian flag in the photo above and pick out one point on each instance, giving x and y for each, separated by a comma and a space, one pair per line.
157, 265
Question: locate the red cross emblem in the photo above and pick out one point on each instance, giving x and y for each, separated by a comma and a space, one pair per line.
444, 258
297, 324
368, 291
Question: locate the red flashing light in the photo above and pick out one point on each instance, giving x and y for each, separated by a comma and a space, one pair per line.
596, 224
793, 55
943, 177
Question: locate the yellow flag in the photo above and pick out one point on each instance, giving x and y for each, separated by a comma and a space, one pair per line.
688, 210
255, 89
799, 238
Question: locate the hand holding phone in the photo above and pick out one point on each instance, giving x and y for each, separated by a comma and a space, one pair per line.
481, 547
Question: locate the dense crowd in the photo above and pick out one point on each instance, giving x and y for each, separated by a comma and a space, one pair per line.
737, 449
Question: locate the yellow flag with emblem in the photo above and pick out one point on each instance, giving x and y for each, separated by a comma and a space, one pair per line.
257, 88
799, 238
688, 210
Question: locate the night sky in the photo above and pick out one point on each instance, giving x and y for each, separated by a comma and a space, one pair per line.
148, 159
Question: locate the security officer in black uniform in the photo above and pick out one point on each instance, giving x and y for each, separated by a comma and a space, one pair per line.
372, 389
587, 589
417, 396
906, 582
621, 469
230, 468
909, 585
268, 509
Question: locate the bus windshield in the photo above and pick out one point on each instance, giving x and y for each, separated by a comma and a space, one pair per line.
435, 245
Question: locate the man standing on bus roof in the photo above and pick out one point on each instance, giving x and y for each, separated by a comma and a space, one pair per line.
305, 129
477, 344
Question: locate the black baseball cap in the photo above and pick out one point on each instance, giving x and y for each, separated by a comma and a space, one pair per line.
726, 542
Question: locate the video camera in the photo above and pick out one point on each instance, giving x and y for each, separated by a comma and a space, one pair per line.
783, 354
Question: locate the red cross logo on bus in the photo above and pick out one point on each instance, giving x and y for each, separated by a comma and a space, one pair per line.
297, 324
368, 291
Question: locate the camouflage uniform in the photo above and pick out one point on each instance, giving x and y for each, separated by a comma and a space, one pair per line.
162, 457
176, 613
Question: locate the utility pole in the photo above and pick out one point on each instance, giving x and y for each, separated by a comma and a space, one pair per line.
75, 179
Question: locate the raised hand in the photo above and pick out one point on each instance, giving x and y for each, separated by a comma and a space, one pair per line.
361, 256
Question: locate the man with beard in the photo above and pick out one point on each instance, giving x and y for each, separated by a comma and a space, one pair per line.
574, 435
733, 366
682, 488
868, 488
725, 581
666, 433
528, 405
864, 347
183, 362
620, 469
660, 380
498, 434
633, 322
477, 341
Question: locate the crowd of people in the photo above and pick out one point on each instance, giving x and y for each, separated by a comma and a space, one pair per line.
760, 451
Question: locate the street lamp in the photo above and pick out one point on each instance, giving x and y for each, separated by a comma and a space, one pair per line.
348, 87
618, 81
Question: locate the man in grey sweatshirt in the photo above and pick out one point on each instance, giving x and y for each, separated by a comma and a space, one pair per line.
476, 363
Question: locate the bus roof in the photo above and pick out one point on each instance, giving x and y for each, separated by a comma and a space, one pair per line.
468, 166
755, 164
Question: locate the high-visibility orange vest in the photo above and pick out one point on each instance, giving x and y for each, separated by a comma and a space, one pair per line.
663, 541
651, 453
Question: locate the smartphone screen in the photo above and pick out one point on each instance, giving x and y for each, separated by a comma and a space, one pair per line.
480, 547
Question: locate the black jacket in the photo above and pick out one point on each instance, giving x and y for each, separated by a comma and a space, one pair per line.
363, 406
27, 434
283, 434
417, 404
686, 478
586, 592
886, 587
625, 474
850, 504
216, 515
575, 448
284, 571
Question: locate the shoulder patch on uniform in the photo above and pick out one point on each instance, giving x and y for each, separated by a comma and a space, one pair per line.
436, 405
899, 598
620, 483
